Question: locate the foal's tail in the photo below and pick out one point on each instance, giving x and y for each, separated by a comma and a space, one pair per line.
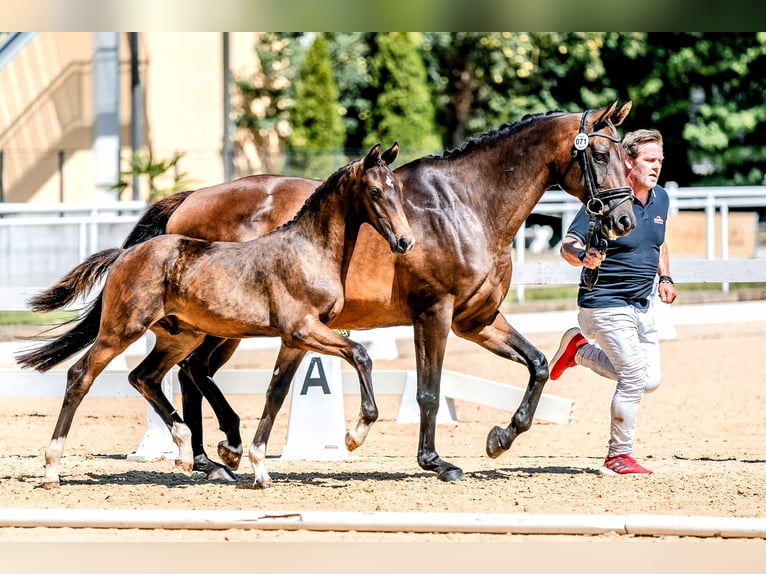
59, 349
78, 282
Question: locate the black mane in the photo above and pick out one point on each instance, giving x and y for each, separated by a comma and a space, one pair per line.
493, 136
325, 188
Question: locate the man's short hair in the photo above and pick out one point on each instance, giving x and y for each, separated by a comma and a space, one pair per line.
632, 141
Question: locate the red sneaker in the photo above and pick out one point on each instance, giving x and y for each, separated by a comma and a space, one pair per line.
622, 464
565, 356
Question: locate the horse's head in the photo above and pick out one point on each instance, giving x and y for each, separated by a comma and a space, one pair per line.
379, 199
599, 182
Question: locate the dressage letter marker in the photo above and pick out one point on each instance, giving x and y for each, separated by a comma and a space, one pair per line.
316, 429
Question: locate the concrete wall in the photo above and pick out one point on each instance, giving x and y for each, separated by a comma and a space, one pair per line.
47, 93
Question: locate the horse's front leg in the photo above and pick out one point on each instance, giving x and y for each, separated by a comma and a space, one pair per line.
288, 361
431, 329
503, 340
195, 377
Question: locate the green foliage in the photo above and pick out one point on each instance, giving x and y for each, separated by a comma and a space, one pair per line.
317, 129
402, 108
157, 173
703, 91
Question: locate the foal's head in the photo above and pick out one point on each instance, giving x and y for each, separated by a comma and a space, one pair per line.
378, 199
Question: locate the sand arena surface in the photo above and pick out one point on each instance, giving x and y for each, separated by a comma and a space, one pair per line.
702, 433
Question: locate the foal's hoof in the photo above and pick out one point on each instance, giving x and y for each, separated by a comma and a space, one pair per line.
229, 455
184, 467
452, 474
496, 442
260, 484
351, 442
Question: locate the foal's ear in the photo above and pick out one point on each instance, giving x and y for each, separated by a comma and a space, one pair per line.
372, 157
389, 156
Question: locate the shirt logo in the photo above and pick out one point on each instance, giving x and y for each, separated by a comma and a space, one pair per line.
658, 220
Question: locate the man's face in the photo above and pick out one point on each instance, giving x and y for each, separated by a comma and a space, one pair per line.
644, 169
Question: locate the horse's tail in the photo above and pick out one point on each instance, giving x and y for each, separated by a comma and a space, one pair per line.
50, 354
155, 219
77, 283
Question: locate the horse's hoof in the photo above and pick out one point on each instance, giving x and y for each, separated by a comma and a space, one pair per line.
50, 485
495, 443
453, 474
230, 456
222, 473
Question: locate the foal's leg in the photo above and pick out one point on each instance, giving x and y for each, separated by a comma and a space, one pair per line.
288, 361
80, 377
316, 336
503, 340
147, 380
195, 376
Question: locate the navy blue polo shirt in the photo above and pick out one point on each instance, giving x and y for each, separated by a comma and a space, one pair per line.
626, 276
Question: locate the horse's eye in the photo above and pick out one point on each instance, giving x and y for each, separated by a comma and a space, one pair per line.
601, 157
375, 193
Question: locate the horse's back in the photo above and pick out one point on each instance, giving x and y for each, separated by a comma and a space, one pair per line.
241, 209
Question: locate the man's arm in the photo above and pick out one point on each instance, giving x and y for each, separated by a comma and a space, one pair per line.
666, 289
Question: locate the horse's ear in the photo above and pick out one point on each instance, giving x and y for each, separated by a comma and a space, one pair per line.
389, 156
372, 157
621, 113
612, 113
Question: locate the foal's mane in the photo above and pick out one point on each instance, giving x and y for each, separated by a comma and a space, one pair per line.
491, 137
324, 189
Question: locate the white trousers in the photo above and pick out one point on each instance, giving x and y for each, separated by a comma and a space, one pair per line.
626, 349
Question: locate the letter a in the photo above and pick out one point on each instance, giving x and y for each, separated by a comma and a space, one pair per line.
317, 381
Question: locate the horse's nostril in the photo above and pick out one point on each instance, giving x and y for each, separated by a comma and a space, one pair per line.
404, 244
625, 222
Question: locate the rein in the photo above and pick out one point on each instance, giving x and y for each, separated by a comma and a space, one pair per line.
596, 206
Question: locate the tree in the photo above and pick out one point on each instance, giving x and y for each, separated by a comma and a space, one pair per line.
262, 109
402, 109
317, 131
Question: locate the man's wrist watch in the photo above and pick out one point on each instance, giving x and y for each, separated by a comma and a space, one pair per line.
666, 279
581, 256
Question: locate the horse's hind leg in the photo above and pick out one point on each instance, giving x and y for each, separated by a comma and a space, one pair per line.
80, 377
146, 378
503, 340
195, 377
288, 361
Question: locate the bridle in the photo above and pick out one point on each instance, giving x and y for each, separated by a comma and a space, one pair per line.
596, 205
597, 199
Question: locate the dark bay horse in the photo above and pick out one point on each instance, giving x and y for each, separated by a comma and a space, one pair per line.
287, 283
465, 207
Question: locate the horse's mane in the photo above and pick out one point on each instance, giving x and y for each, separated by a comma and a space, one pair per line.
493, 136
323, 190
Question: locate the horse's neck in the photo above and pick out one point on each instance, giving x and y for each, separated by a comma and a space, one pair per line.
506, 187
